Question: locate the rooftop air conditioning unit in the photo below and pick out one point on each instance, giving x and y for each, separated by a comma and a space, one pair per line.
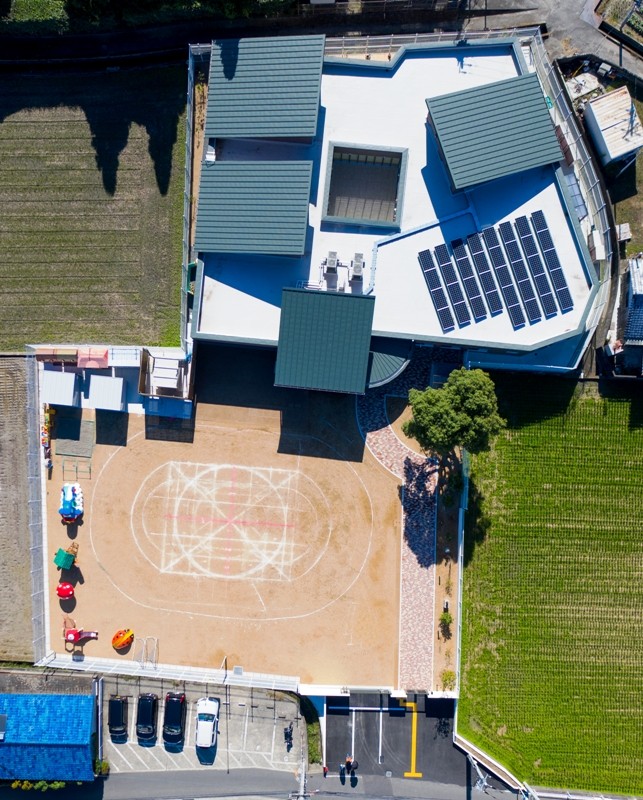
331, 261
358, 266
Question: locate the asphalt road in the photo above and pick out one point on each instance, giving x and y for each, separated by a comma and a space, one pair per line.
409, 739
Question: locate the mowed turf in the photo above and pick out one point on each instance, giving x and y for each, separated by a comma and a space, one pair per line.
91, 189
552, 659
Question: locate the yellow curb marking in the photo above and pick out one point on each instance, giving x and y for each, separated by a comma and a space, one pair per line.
414, 734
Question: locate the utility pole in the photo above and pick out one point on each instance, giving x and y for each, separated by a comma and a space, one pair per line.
303, 792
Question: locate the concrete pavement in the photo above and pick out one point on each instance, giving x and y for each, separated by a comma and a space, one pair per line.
572, 26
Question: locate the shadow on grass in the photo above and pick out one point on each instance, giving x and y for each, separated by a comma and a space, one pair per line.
111, 103
476, 523
527, 399
629, 391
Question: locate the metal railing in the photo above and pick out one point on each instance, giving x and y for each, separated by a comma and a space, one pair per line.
198, 54
230, 677
362, 46
565, 116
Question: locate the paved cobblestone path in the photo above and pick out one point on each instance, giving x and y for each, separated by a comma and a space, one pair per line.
418, 475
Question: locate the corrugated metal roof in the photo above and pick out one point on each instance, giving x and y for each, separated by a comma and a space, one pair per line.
253, 207
618, 122
264, 88
58, 388
494, 130
105, 392
324, 340
634, 329
48, 737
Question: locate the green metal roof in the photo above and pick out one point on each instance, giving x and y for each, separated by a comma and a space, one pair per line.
253, 207
389, 357
324, 340
495, 130
264, 88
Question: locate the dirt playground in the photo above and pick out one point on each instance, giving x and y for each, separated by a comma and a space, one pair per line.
268, 536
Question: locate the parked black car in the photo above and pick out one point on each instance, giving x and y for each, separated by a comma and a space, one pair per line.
146, 714
117, 717
174, 718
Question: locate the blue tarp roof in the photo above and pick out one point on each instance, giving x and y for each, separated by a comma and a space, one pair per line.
49, 737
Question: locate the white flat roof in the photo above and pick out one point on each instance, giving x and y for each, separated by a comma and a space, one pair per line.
241, 296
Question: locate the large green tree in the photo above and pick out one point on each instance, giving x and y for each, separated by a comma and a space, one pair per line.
463, 413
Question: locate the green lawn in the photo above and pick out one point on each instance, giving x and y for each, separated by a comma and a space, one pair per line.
91, 189
552, 660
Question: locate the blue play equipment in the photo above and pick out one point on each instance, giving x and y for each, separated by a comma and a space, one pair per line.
71, 502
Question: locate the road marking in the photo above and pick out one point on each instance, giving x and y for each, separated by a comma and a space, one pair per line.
353, 736
414, 734
379, 750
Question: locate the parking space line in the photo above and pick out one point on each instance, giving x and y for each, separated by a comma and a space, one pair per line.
120, 755
379, 750
188, 724
414, 733
245, 730
150, 750
131, 747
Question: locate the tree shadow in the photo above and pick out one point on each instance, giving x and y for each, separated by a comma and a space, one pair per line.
229, 55
419, 510
111, 102
476, 523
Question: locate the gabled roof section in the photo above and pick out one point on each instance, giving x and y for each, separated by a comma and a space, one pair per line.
495, 130
48, 737
324, 340
253, 207
265, 88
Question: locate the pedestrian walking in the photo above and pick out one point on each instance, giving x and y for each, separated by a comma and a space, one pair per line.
325, 771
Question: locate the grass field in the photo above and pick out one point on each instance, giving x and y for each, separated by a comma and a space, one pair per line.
553, 589
91, 188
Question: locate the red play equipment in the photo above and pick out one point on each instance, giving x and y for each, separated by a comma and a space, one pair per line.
65, 591
75, 635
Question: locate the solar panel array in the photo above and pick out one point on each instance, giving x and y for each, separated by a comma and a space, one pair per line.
503, 276
484, 274
520, 273
437, 292
536, 267
556, 274
488, 254
453, 287
469, 282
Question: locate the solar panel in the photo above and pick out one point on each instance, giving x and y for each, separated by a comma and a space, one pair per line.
432, 278
503, 277
468, 280
520, 273
484, 274
552, 262
536, 267
453, 287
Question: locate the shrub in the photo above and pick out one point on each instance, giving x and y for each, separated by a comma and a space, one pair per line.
448, 678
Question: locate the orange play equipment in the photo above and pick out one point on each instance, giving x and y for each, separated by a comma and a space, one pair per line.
122, 639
